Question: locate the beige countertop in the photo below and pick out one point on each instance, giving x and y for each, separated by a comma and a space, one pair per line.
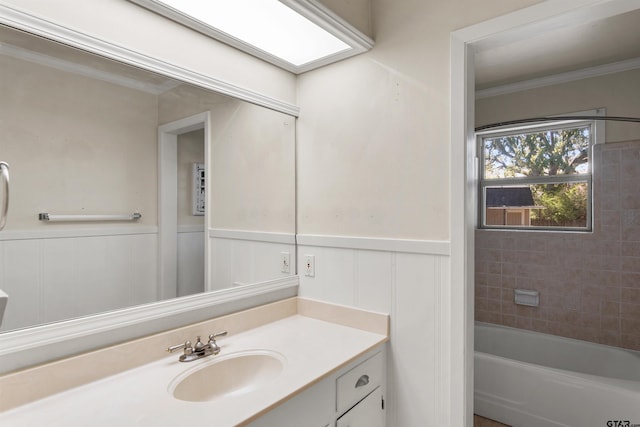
309, 348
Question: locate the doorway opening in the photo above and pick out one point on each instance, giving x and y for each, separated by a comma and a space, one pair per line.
183, 153
520, 25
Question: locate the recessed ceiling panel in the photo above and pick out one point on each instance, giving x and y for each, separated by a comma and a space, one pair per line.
266, 24
296, 35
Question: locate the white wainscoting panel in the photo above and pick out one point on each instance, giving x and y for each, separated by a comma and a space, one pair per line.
241, 257
406, 284
49, 279
20, 279
190, 262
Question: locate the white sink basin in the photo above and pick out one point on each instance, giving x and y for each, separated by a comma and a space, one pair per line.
227, 375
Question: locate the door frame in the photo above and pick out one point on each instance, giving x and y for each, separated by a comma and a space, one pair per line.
168, 200
521, 24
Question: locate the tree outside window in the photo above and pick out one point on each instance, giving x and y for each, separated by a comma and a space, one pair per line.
552, 162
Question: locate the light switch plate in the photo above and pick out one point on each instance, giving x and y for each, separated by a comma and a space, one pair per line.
285, 262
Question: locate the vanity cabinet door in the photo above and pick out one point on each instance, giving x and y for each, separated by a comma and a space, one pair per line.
368, 413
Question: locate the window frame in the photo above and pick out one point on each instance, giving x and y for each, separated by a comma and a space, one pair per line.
587, 177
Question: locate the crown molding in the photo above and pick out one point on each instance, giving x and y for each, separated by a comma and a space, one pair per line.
25, 21
570, 76
85, 71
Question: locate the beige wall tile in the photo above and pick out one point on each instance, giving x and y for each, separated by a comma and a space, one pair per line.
589, 283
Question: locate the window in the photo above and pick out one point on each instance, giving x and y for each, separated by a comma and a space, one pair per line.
537, 177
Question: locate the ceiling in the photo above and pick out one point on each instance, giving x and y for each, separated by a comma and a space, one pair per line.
497, 63
559, 50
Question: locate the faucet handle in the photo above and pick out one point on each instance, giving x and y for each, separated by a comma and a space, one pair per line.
213, 337
215, 348
186, 346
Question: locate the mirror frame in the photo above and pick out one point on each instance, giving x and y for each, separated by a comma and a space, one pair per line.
26, 347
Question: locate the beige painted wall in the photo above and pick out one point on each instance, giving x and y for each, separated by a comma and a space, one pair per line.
96, 153
355, 12
186, 100
253, 176
75, 145
618, 93
252, 183
190, 151
373, 135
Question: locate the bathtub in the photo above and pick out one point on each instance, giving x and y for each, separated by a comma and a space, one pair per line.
525, 378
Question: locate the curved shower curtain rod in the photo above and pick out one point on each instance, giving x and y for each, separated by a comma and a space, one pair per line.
555, 119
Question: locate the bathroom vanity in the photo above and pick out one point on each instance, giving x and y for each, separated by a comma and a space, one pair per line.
351, 397
308, 364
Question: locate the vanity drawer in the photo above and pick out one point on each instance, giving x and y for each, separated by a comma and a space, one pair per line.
354, 385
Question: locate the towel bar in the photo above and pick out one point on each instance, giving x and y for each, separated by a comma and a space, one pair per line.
81, 218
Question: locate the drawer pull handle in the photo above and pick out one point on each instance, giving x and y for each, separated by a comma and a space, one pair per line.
362, 381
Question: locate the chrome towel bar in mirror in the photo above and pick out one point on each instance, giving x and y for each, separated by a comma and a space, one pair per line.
124, 217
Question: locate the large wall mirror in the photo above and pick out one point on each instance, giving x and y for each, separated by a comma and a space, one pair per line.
82, 135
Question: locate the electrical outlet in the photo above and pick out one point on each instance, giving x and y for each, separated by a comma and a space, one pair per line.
310, 265
285, 262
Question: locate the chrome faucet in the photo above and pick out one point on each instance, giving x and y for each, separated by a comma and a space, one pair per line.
200, 349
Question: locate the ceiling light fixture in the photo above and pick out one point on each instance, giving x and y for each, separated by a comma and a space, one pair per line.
297, 35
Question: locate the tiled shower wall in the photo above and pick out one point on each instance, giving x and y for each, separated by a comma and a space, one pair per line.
589, 283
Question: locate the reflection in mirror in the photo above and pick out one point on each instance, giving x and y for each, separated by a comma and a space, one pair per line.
81, 135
